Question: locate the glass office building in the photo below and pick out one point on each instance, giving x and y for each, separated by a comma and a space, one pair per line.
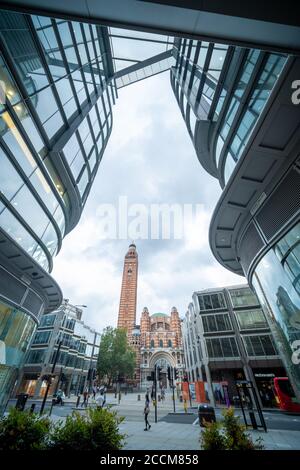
56, 97
227, 337
76, 359
238, 110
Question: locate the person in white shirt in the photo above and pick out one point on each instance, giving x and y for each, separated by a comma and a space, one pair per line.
100, 400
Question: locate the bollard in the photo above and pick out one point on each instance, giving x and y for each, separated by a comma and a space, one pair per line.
206, 414
253, 420
158, 397
32, 408
78, 401
53, 402
139, 397
21, 401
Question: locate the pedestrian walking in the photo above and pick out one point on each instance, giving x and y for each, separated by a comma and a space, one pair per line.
59, 397
102, 392
85, 398
104, 395
100, 400
146, 414
185, 407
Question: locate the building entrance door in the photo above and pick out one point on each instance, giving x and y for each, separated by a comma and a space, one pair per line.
163, 383
163, 364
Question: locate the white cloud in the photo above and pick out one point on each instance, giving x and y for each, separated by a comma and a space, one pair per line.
149, 158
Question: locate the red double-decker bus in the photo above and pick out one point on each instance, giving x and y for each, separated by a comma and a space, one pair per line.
285, 395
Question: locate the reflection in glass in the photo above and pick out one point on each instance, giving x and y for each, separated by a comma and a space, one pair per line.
17, 232
281, 302
45, 104
10, 181
8, 88
16, 330
16, 143
29, 126
29, 209
82, 184
251, 319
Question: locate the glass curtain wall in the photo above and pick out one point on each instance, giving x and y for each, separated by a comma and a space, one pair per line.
16, 330
51, 73
276, 281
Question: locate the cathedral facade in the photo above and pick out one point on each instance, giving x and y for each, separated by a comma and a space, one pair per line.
161, 345
158, 339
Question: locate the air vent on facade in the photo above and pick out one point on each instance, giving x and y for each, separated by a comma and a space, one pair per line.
281, 206
297, 165
250, 245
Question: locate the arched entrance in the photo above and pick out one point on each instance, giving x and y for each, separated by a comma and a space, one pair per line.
163, 360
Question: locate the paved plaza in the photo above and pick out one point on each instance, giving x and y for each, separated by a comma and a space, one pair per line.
179, 431
178, 435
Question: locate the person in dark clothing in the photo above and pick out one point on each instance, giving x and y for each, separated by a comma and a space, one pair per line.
104, 394
59, 397
85, 398
146, 413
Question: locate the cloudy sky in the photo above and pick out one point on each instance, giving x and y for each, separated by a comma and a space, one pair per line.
149, 159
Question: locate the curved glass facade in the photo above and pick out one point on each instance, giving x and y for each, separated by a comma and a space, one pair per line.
225, 85
235, 101
44, 87
195, 79
84, 149
16, 330
258, 98
276, 281
29, 200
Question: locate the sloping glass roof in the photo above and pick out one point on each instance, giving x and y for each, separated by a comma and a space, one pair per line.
130, 47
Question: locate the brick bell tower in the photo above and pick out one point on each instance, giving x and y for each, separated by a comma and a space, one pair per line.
127, 309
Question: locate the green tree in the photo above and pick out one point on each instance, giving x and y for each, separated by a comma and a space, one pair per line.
116, 357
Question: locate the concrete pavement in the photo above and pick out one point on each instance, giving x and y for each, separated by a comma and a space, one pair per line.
165, 435
181, 431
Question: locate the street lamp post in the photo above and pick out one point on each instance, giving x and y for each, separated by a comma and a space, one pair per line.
50, 377
56, 388
155, 391
173, 386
